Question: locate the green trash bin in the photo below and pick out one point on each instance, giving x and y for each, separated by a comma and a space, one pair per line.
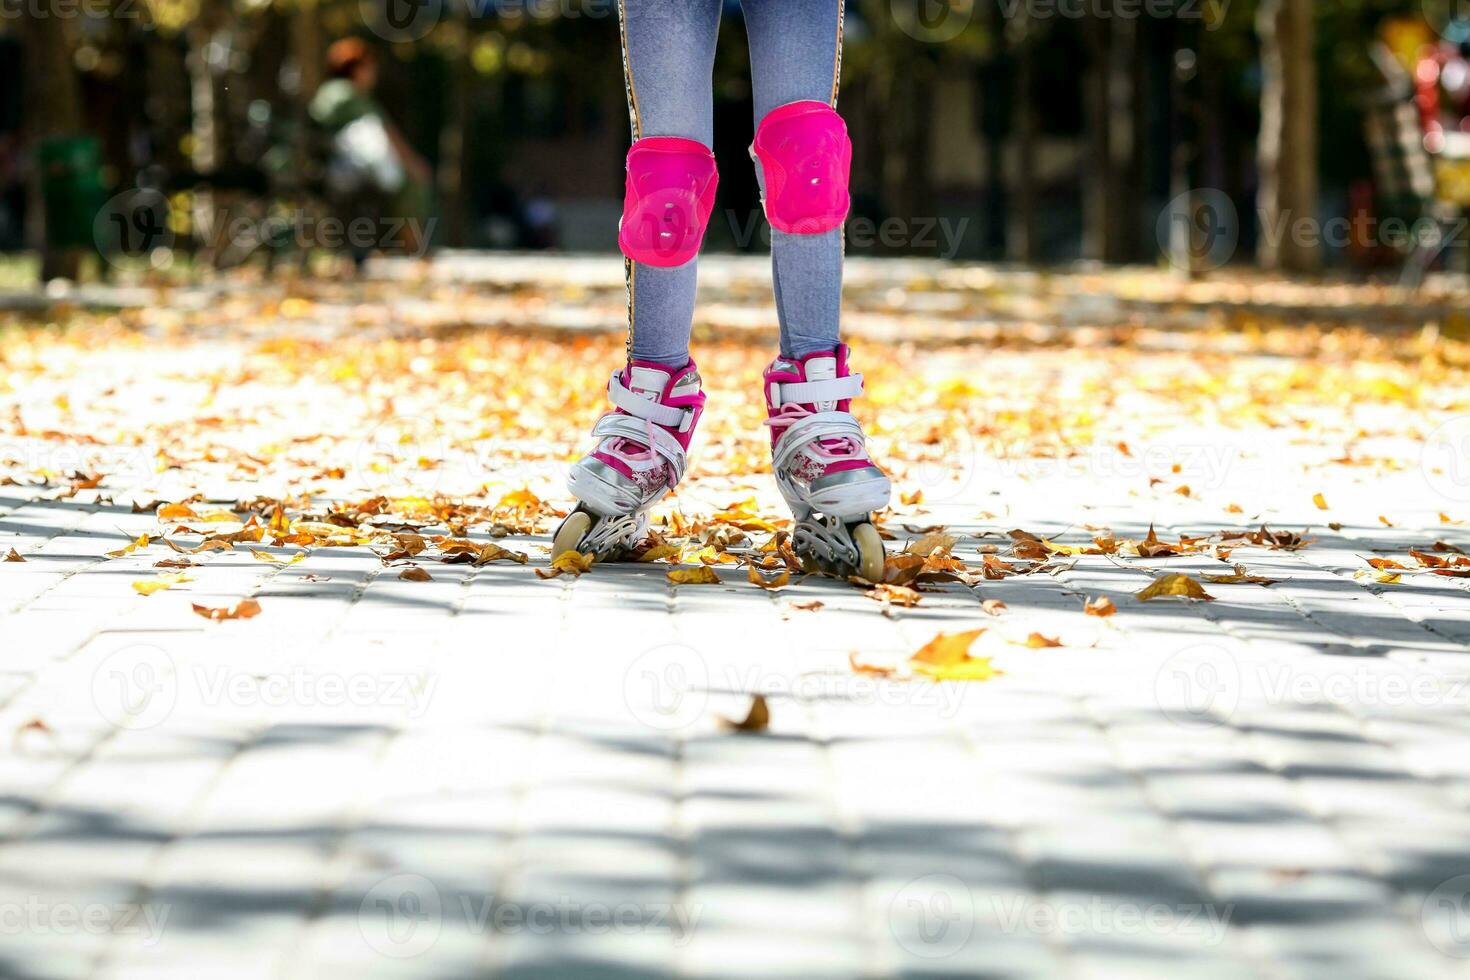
71, 190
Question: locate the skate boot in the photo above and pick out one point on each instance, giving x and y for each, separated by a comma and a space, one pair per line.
822, 465
640, 457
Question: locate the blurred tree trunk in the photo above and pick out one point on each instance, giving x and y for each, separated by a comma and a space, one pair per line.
1123, 122
1287, 150
1025, 245
1101, 173
308, 52
452, 137
55, 109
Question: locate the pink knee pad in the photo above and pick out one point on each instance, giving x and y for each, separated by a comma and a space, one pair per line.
671, 191
806, 156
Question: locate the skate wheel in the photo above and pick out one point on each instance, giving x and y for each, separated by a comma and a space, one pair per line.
571, 533
870, 552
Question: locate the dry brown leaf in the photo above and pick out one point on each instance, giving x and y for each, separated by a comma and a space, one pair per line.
898, 595
13, 555
1175, 584
782, 579
141, 542
415, 573
1100, 606
703, 575
757, 719
992, 607
568, 562
244, 609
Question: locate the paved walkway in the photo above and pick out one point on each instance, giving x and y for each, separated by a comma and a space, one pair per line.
492, 774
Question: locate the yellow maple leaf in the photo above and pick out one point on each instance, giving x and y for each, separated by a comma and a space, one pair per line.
271, 559
158, 583
1175, 584
946, 649
142, 542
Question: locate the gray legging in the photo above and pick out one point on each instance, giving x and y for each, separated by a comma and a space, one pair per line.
668, 61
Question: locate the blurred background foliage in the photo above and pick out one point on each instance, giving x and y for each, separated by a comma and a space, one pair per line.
1034, 130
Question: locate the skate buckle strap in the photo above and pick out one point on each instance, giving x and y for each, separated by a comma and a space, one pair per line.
821, 425
650, 411
814, 392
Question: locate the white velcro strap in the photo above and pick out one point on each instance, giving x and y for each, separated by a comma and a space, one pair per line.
814, 392
614, 426
822, 425
634, 404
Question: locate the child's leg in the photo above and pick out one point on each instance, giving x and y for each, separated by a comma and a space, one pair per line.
668, 61
796, 55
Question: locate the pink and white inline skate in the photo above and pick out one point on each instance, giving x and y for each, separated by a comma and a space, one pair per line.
819, 456
641, 455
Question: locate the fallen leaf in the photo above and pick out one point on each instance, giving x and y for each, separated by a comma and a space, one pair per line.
568, 562
992, 607
898, 595
173, 512
1100, 606
930, 544
415, 573
660, 553
946, 649
244, 609
1240, 577
1174, 585
757, 719
271, 559
807, 605
157, 584
1320, 501
1037, 641
14, 555
703, 575
781, 580
141, 542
